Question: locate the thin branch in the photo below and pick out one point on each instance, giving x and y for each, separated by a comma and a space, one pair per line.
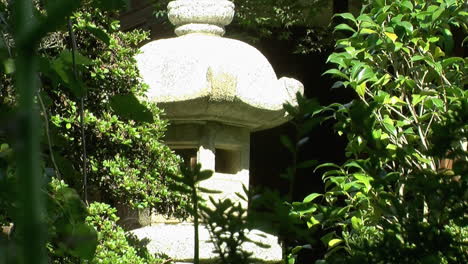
47, 131
420, 132
83, 139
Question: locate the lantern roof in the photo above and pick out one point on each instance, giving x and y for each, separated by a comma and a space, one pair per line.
202, 76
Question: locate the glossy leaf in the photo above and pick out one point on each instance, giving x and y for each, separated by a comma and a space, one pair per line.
337, 73
128, 107
99, 34
344, 27
391, 36
309, 198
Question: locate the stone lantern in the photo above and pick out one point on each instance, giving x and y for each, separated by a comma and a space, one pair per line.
214, 90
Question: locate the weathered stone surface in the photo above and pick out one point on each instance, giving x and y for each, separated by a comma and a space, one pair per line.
208, 138
204, 77
177, 242
202, 16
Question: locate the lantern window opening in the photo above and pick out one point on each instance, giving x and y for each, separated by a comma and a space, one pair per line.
227, 161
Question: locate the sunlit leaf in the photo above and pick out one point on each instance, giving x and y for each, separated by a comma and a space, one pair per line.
309, 198
334, 242
344, 27
336, 72
361, 89
347, 16
391, 36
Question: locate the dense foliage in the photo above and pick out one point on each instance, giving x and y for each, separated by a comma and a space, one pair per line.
96, 134
113, 244
126, 160
401, 197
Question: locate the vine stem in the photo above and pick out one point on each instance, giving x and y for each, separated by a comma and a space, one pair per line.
31, 212
47, 131
83, 138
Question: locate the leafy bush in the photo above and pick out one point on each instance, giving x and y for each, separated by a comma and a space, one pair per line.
113, 244
227, 223
89, 102
395, 200
95, 133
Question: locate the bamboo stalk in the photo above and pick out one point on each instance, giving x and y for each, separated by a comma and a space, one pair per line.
31, 229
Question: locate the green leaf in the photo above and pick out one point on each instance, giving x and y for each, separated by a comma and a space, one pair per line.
328, 165
99, 34
353, 164
205, 190
411, 83
347, 16
181, 189
389, 126
448, 40
312, 222
391, 36
391, 147
127, 106
437, 13
438, 53
309, 198
344, 27
417, 98
365, 18
365, 74
327, 237
290, 109
62, 71
334, 242
204, 175
296, 249
438, 102
83, 241
67, 57
417, 58
338, 58
356, 222
9, 66
366, 31
361, 89
407, 4
407, 26
365, 179
437, 66
452, 60
380, 3
357, 67
242, 197
422, 159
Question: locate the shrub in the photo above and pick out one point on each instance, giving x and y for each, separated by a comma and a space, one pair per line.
394, 200
114, 246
